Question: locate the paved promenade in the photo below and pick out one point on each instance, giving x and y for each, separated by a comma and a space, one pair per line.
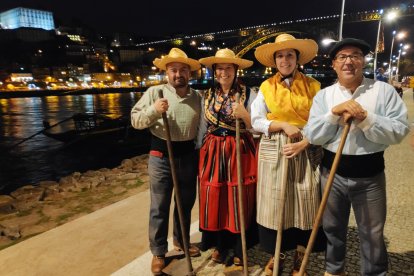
113, 240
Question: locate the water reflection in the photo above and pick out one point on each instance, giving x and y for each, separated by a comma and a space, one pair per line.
42, 158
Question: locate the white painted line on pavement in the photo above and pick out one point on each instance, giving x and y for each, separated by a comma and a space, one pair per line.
141, 266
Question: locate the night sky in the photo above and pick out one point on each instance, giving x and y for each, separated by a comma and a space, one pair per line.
158, 18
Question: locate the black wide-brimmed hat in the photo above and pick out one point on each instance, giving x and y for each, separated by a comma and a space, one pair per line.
361, 44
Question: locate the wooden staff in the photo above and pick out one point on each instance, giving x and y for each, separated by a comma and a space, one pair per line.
240, 192
281, 215
177, 191
324, 199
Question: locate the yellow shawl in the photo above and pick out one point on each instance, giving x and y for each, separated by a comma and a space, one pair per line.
291, 105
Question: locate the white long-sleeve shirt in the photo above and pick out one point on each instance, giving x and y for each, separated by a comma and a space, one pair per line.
386, 123
259, 111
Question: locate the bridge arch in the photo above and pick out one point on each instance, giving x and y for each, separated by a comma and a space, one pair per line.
255, 40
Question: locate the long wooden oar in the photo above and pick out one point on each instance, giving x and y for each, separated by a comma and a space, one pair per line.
39, 132
240, 192
281, 214
177, 192
324, 199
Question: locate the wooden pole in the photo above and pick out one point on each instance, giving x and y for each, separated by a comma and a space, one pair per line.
281, 215
240, 192
177, 192
324, 199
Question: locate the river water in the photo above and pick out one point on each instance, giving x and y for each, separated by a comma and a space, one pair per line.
42, 158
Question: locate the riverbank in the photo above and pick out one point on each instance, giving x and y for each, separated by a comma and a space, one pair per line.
84, 91
64, 92
31, 210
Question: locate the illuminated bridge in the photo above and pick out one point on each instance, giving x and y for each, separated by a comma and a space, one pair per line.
242, 40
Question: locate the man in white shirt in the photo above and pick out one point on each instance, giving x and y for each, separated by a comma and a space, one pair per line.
379, 119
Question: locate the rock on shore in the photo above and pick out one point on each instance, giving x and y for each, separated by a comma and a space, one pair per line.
33, 209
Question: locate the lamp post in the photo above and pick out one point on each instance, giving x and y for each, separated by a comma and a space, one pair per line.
399, 36
400, 52
376, 44
341, 23
390, 63
390, 16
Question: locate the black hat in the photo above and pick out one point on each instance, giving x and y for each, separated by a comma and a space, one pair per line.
365, 48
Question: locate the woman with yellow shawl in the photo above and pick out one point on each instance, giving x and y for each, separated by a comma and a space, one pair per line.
280, 111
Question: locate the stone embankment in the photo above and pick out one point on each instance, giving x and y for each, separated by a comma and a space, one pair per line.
33, 209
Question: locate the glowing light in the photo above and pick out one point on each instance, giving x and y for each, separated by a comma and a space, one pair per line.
327, 41
391, 15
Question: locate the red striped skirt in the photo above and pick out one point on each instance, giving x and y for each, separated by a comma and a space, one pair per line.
218, 182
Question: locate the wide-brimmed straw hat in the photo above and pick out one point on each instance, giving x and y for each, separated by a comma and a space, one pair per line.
307, 48
176, 55
226, 56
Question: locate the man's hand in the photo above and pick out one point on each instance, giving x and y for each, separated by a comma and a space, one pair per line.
350, 109
161, 105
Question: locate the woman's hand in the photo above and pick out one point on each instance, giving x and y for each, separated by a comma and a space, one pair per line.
291, 131
239, 111
293, 149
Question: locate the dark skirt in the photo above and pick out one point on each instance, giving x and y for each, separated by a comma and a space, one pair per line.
225, 240
291, 238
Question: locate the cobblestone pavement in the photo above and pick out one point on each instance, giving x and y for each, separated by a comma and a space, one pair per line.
398, 231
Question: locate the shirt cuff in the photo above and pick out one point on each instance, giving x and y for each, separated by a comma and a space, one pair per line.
266, 125
332, 118
152, 113
368, 122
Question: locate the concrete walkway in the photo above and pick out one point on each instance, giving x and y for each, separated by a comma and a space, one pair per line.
113, 240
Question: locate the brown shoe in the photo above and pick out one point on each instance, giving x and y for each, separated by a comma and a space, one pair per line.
269, 266
194, 251
297, 261
237, 261
216, 256
157, 265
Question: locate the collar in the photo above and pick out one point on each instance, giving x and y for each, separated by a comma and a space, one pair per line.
281, 78
172, 89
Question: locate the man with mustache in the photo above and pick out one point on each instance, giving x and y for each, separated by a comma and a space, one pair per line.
182, 105
379, 119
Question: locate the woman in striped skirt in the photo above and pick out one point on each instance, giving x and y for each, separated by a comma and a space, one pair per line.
219, 215
279, 112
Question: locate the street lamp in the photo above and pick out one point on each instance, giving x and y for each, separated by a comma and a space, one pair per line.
390, 16
399, 36
390, 63
341, 21
376, 44
327, 41
400, 52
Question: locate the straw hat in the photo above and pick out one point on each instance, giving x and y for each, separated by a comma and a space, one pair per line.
226, 56
306, 47
176, 55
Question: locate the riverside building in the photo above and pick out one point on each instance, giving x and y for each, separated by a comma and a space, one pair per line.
29, 18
